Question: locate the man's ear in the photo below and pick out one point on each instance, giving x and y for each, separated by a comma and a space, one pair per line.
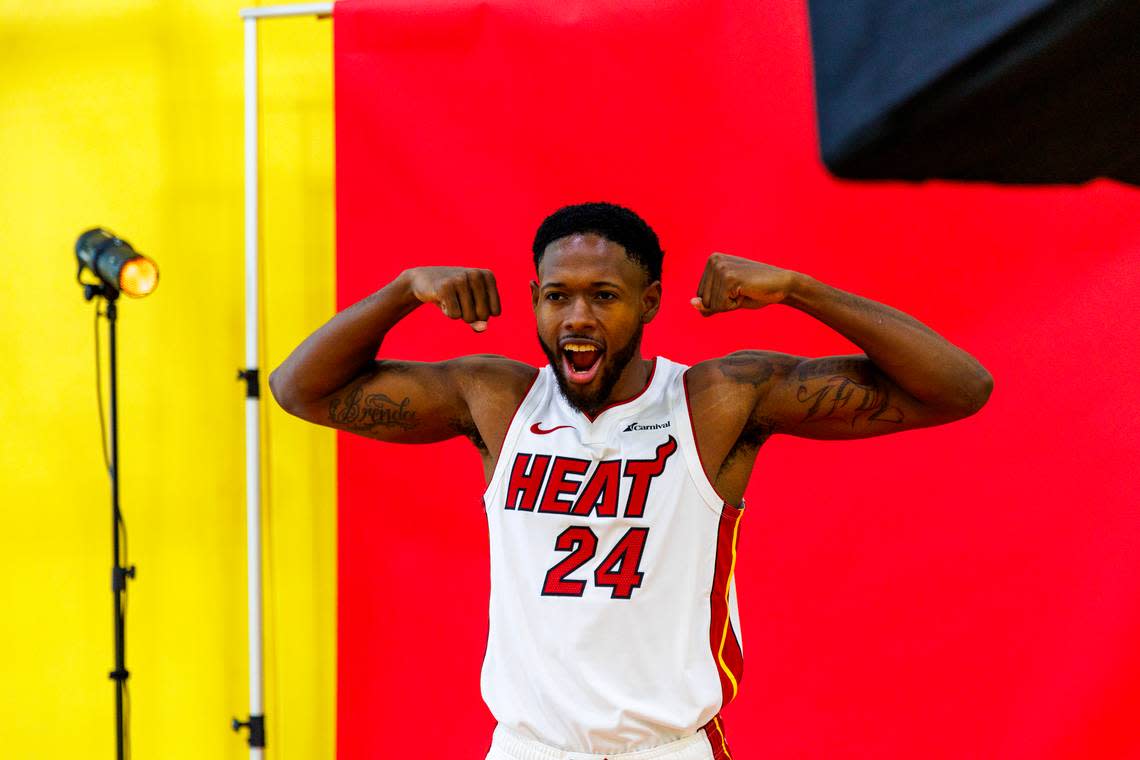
650, 301
534, 294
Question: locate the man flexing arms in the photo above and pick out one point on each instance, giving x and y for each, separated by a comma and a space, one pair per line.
562, 452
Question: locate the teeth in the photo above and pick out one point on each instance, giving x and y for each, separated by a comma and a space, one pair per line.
579, 347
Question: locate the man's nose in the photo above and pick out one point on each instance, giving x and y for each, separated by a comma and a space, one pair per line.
579, 315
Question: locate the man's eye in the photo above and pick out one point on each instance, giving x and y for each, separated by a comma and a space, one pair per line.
554, 296
606, 295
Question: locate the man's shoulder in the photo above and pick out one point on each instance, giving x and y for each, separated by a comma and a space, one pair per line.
493, 374
728, 399
496, 365
737, 388
740, 370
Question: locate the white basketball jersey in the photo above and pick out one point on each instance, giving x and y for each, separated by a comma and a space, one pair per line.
613, 620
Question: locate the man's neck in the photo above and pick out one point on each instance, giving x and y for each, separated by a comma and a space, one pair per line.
633, 380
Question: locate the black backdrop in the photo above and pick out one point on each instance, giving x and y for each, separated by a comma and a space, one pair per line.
1012, 91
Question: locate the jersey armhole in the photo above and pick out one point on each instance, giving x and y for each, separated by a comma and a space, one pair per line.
514, 430
682, 412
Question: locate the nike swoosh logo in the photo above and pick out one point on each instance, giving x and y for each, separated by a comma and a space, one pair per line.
539, 431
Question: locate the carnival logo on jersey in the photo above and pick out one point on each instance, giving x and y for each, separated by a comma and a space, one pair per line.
635, 426
553, 484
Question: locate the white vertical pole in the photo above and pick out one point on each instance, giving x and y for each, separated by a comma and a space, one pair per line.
252, 402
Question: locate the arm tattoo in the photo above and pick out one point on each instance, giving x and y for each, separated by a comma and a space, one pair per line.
373, 411
753, 367
825, 367
840, 396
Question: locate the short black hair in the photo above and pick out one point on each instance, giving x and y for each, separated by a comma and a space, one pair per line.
615, 223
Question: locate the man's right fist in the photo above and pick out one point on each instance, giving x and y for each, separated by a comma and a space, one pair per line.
459, 292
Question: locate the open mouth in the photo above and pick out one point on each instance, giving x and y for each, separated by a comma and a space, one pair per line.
581, 360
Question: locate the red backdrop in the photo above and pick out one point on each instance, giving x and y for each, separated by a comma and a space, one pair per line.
965, 591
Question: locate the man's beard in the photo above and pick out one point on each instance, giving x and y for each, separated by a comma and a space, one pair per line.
588, 402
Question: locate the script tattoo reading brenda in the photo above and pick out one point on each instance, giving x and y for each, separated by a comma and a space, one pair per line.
375, 410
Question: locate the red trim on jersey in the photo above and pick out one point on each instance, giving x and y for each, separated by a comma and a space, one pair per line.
648, 382
693, 430
726, 652
522, 398
514, 414
714, 730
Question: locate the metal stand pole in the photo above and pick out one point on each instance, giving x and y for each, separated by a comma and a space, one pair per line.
256, 722
119, 574
250, 373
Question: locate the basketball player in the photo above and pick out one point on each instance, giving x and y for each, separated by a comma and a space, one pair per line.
615, 482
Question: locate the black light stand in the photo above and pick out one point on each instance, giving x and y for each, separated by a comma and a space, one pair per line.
119, 574
119, 269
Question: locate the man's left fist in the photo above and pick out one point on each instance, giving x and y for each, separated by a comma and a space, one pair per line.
731, 282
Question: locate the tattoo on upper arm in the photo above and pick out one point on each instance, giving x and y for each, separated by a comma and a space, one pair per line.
754, 367
824, 367
359, 412
840, 397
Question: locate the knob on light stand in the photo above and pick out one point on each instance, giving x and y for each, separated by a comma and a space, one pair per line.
119, 270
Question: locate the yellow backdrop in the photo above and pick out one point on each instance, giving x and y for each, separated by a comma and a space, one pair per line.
129, 115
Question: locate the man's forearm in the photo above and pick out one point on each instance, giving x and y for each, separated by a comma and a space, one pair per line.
343, 347
919, 360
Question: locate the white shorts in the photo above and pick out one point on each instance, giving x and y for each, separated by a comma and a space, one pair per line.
507, 744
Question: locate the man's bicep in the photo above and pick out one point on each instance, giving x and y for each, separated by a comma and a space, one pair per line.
835, 397
396, 401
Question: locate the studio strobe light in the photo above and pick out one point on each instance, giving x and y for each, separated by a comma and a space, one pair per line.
115, 263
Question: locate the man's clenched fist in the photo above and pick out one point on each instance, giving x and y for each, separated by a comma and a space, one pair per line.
732, 282
459, 292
